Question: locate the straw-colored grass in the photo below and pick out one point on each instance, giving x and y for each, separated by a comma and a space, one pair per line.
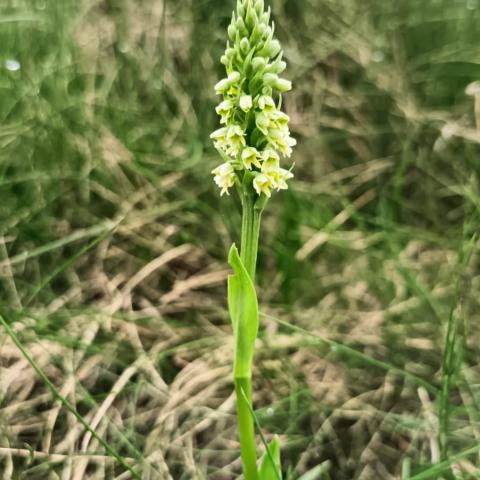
113, 241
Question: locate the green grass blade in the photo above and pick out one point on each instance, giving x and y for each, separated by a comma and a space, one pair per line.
454, 348
109, 449
95, 231
65, 265
349, 351
444, 467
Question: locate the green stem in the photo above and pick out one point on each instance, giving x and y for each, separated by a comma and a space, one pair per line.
246, 427
243, 385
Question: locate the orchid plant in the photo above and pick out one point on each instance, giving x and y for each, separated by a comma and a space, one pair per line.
252, 141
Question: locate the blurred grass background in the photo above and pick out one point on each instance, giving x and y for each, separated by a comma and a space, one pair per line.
113, 242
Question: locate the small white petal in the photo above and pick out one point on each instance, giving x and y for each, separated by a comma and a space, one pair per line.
219, 134
222, 85
246, 102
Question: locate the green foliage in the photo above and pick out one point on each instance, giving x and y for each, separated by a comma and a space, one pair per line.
57, 394
270, 467
243, 306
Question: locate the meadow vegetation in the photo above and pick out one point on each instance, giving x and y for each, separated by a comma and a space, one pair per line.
113, 244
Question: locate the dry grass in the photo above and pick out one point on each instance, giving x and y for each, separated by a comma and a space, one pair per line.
113, 244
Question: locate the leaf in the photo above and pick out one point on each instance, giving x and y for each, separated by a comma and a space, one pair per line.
267, 470
243, 307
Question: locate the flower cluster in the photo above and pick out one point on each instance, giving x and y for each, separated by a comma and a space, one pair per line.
255, 131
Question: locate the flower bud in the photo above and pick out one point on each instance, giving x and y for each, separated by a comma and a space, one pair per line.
244, 45
224, 84
281, 66
261, 28
279, 118
276, 67
265, 18
234, 77
241, 28
219, 134
274, 48
267, 34
259, 6
251, 17
232, 31
240, 10
282, 85
258, 63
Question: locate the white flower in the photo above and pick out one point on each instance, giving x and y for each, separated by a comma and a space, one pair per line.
235, 139
219, 134
219, 138
270, 118
271, 160
266, 103
225, 110
283, 176
279, 118
271, 165
224, 177
246, 102
263, 184
271, 168
251, 157
223, 85
280, 139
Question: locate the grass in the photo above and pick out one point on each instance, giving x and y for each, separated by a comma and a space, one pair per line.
113, 241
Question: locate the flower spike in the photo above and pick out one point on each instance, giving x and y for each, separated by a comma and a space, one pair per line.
255, 132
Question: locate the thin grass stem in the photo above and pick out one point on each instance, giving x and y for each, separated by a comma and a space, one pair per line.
109, 449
